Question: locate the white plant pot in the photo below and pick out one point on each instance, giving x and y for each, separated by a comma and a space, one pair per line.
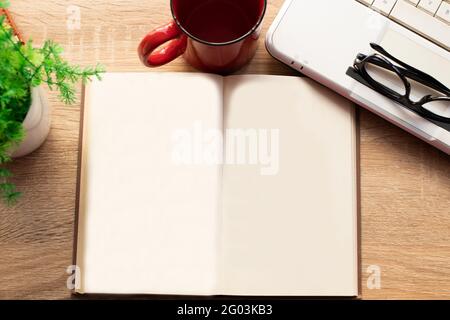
36, 124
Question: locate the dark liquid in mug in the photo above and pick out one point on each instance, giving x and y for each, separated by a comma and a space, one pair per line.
218, 21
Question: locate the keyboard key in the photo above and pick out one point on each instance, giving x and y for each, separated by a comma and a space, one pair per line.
422, 23
366, 2
444, 12
430, 6
384, 6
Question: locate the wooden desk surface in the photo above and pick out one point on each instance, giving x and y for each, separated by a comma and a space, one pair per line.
405, 184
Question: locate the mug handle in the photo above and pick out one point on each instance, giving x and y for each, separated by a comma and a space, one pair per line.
177, 43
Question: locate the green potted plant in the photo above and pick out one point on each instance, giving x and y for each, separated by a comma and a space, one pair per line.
24, 111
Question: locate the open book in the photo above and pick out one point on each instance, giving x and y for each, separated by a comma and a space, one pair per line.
195, 184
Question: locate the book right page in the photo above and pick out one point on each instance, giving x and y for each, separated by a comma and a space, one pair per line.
289, 189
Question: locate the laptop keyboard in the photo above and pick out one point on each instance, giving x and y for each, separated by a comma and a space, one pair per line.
428, 18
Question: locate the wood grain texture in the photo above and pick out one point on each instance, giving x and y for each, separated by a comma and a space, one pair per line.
405, 184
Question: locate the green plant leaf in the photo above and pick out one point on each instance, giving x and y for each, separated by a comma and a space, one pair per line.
4, 4
22, 67
9, 194
5, 173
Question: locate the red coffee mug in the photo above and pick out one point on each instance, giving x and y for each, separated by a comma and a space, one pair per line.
218, 36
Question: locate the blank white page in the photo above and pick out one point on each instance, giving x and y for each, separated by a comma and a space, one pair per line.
293, 233
146, 224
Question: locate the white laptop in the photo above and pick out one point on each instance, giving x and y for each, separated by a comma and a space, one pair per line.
321, 39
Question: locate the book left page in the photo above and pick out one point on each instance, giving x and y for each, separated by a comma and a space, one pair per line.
149, 209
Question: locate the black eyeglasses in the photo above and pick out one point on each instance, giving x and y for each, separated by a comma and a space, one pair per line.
394, 83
